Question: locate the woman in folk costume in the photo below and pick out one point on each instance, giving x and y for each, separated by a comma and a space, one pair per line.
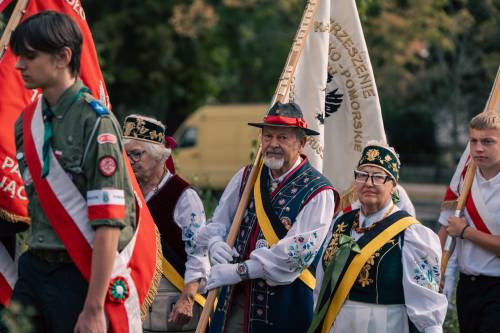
379, 271
178, 213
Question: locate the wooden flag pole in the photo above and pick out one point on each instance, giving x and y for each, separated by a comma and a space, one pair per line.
18, 12
279, 96
449, 244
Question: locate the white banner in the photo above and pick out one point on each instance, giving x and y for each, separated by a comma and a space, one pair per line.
335, 88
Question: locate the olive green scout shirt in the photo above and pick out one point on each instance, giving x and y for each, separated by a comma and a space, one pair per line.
73, 123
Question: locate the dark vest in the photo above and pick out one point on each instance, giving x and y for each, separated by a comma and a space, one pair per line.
285, 308
381, 278
162, 206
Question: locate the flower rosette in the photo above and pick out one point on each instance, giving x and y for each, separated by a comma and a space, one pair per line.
118, 290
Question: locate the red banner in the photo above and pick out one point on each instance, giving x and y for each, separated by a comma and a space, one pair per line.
3, 4
14, 98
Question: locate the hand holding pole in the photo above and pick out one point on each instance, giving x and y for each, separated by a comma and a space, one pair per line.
279, 96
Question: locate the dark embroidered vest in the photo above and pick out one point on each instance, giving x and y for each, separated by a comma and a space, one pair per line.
285, 308
162, 206
381, 278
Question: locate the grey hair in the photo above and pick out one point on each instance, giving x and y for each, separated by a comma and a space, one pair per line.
157, 151
300, 133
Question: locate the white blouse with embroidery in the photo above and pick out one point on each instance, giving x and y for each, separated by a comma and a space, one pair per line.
189, 215
424, 305
283, 262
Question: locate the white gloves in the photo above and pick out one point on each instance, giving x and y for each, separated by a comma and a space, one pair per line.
223, 275
450, 277
226, 274
219, 252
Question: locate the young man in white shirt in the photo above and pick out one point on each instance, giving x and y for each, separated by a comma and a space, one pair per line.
478, 232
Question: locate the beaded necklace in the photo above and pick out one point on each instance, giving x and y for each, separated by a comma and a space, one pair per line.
360, 230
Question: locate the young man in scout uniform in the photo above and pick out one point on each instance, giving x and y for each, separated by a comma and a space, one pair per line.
269, 286
178, 213
73, 172
478, 232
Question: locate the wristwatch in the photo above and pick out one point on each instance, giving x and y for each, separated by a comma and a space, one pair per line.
242, 270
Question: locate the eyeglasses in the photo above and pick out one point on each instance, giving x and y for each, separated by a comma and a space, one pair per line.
135, 155
377, 178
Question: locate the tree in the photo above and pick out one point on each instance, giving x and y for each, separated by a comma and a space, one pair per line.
434, 60
167, 58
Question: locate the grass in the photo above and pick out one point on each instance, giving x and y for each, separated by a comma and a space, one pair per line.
451, 322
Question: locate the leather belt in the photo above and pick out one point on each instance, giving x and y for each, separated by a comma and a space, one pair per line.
52, 256
479, 278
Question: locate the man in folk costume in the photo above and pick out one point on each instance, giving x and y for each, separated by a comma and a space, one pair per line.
77, 273
178, 213
478, 232
269, 286
379, 271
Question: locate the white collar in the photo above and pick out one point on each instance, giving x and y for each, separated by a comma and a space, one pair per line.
163, 181
366, 221
493, 181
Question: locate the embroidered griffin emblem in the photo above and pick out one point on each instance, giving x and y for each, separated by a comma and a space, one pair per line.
333, 100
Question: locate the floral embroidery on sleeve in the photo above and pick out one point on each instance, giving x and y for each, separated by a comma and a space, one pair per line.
427, 275
189, 233
301, 252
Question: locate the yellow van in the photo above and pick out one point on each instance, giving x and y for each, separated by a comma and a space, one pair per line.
215, 142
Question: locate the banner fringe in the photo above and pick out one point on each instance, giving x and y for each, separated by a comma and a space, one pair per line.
153, 289
13, 218
347, 198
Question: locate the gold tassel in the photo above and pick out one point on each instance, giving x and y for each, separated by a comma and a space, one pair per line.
449, 205
347, 198
13, 218
153, 289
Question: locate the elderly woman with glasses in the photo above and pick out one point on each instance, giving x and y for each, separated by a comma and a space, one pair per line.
178, 213
379, 271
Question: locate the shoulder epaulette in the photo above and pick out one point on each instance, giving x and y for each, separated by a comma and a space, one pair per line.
100, 109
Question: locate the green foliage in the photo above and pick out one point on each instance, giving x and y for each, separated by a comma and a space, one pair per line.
209, 198
166, 58
434, 63
434, 60
2, 23
451, 323
17, 319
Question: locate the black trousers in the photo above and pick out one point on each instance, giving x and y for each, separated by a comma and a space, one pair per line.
478, 304
55, 291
